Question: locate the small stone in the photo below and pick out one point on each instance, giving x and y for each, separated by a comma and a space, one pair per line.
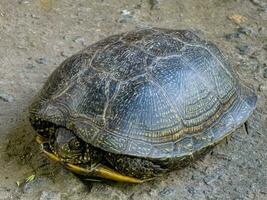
47, 5
30, 66
245, 30
73, 185
23, 2
63, 54
126, 16
236, 18
34, 185
264, 8
244, 49
210, 179
155, 4
50, 195
256, 2
251, 65
167, 192
262, 5
125, 13
142, 25
191, 190
232, 36
2, 14
42, 61
79, 40
34, 16
262, 30
265, 73
138, 6
4, 193
6, 97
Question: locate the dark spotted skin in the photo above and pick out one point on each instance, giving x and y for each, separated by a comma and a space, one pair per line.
153, 99
136, 167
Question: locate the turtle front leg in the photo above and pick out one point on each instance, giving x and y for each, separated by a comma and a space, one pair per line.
102, 171
99, 170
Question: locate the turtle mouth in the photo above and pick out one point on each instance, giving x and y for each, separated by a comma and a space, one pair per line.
45, 146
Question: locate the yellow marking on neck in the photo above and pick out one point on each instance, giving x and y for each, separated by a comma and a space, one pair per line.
103, 172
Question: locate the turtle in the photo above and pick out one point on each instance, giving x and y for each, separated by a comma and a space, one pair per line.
139, 104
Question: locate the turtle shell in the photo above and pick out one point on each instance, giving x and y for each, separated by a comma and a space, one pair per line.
152, 93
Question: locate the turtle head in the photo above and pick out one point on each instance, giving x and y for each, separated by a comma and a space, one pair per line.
66, 146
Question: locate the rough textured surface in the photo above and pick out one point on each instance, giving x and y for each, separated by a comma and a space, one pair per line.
36, 36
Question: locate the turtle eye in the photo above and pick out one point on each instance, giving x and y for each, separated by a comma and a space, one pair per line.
74, 144
77, 143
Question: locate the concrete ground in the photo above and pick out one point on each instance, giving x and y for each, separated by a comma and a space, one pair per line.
37, 35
